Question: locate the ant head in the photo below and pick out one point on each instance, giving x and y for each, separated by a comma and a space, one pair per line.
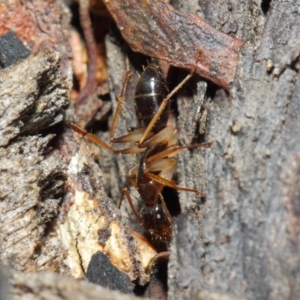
158, 221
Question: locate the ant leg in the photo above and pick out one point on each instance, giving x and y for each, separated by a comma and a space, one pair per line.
165, 255
168, 136
132, 137
166, 166
161, 257
131, 175
165, 209
127, 194
119, 106
161, 109
170, 183
174, 150
91, 137
165, 101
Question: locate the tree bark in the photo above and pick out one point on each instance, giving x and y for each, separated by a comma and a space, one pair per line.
250, 223
241, 239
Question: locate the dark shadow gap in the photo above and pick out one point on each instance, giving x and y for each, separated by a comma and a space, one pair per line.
265, 6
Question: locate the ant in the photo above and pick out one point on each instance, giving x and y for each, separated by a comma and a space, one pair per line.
158, 144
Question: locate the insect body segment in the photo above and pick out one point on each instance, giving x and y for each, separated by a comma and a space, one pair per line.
154, 213
149, 94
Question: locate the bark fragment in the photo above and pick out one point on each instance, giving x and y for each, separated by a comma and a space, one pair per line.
32, 96
156, 29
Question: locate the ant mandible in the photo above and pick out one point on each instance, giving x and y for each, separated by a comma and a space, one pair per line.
158, 142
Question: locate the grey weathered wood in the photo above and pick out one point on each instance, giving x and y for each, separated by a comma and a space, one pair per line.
33, 94
28, 104
250, 224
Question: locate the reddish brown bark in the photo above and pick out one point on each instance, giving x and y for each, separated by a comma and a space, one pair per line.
158, 30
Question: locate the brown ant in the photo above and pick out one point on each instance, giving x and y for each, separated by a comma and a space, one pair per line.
158, 142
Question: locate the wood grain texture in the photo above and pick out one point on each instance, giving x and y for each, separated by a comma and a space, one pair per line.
47, 285
33, 93
28, 103
250, 230
154, 28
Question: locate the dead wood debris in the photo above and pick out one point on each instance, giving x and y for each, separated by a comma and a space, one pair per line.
91, 222
32, 95
47, 285
58, 236
156, 29
40, 25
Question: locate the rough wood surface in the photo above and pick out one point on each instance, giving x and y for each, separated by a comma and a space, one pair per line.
47, 285
39, 25
90, 222
32, 96
53, 209
250, 225
54, 214
249, 221
33, 93
241, 240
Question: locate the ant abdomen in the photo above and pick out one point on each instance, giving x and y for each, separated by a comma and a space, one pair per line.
150, 92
